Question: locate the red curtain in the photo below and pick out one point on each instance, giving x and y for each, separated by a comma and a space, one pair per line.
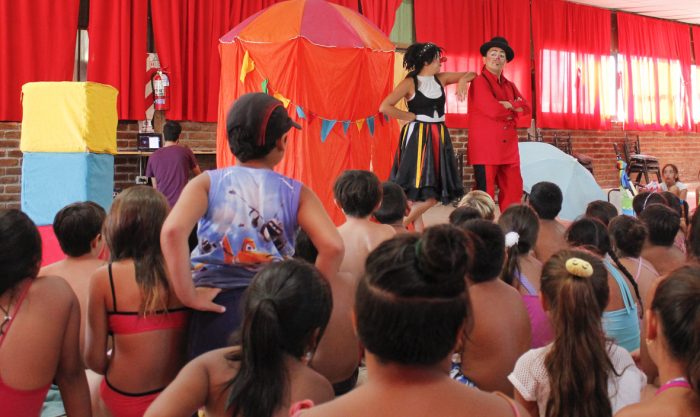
696, 78
461, 27
381, 12
656, 61
186, 34
117, 33
37, 43
574, 69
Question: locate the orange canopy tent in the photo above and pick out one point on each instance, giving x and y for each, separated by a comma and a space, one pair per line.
331, 67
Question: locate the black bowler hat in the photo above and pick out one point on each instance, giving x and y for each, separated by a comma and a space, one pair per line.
263, 116
498, 42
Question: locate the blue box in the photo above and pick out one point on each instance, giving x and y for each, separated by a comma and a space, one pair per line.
50, 181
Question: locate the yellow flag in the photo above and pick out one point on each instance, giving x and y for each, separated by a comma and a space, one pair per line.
247, 66
359, 124
282, 98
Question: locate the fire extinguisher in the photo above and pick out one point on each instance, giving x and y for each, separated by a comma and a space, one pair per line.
161, 84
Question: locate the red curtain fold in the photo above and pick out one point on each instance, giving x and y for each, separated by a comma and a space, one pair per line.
656, 58
117, 33
381, 12
186, 34
696, 80
37, 40
574, 69
461, 27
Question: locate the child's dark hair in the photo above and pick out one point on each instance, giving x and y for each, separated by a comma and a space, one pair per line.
463, 214
413, 300
546, 199
572, 284
77, 225
675, 171
644, 199
601, 210
676, 305
304, 248
286, 306
489, 249
627, 235
662, 222
357, 192
523, 221
693, 238
132, 231
418, 54
674, 202
591, 234
171, 131
394, 203
20, 248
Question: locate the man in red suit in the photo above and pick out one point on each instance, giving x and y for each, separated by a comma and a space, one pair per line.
494, 106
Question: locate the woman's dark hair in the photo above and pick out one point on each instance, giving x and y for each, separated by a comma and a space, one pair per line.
693, 238
413, 299
77, 225
575, 311
522, 220
418, 54
676, 305
644, 199
601, 210
627, 235
591, 234
20, 249
132, 231
286, 310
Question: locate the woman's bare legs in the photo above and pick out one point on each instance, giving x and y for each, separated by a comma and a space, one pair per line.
417, 210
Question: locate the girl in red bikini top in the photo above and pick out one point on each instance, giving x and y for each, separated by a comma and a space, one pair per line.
33, 349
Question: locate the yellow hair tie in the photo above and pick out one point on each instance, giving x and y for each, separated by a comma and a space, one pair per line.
578, 267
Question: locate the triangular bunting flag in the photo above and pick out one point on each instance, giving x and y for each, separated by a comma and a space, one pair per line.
311, 117
283, 99
247, 66
263, 85
346, 126
359, 124
326, 127
370, 125
300, 113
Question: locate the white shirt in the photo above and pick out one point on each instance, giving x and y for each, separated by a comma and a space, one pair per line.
431, 89
679, 184
531, 380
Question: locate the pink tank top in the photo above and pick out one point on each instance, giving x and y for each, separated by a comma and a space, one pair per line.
13, 401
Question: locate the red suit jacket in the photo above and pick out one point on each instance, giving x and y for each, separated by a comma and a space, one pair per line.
493, 139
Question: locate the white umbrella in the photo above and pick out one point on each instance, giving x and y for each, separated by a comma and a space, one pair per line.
543, 162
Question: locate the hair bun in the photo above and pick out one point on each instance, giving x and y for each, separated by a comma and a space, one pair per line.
578, 267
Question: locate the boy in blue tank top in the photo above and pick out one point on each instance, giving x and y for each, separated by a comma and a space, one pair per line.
247, 217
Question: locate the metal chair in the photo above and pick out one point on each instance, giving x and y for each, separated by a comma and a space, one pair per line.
637, 162
563, 142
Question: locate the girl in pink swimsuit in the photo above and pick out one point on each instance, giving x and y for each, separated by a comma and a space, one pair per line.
39, 327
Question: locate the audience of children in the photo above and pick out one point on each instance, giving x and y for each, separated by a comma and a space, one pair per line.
285, 312
463, 303
497, 336
523, 269
546, 199
580, 373
132, 305
359, 193
39, 329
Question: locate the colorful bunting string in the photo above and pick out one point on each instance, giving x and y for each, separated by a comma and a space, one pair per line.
248, 65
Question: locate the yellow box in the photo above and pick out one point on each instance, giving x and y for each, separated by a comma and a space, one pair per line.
69, 117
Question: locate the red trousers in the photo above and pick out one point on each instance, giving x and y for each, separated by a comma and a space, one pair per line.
506, 177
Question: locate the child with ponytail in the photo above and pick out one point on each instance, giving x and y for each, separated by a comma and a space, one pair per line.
580, 373
621, 316
673, 341
285, 311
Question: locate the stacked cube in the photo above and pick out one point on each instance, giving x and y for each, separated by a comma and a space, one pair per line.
69, 139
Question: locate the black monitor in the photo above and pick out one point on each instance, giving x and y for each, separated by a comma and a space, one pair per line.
149, 141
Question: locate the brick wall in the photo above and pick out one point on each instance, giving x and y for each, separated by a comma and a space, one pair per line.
683, 149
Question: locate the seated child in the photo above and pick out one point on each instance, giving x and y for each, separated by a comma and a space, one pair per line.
463, 214
481, 201
359, 193
546, 199
663, 224
601, 210
499, 335
285, 311
645, 199
394, 207
78, 228
672, 182
337, 356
